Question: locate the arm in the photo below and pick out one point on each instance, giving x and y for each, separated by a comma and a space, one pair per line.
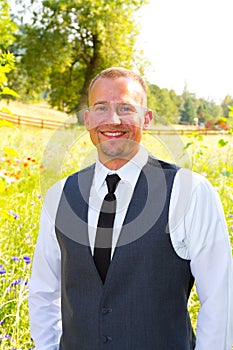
44, 289
199, 233
211, 265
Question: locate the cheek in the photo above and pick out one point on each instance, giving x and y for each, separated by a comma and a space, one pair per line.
136, 122
95, 122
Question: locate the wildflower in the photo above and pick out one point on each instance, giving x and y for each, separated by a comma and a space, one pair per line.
15, 216
16, 282
2, 270
230, 216
2, 322
8, 336
27, 259
15, 258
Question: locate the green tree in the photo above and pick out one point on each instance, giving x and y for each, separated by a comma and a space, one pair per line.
164, 104
7, 27
7, 64
67, 42
227, 102
7, 60
188, 113
202, 112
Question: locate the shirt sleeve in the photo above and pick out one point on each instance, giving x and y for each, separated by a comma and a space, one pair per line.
44, 287
201, 235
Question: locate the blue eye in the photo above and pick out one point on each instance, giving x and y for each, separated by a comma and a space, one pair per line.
126, 109
100, 108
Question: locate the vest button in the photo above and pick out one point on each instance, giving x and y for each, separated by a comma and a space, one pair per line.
106, 338
106, 310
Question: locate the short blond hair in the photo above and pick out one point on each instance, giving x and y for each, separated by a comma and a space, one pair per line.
118, 72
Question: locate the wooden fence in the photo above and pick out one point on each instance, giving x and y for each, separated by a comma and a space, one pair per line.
37, 122
70, 122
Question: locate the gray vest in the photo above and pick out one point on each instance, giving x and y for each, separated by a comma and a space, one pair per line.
143, 302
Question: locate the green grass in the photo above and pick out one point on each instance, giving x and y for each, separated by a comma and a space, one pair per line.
31, 160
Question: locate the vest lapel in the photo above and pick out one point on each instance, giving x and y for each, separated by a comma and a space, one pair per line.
73, 208
146, 205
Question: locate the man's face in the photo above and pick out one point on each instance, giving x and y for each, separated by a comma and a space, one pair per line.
116, 118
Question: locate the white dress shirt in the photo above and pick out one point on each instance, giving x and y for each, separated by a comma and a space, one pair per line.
198, 232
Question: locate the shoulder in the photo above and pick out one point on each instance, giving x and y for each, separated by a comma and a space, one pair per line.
81, 173
54, 193
187, 179
155, 162
194, 205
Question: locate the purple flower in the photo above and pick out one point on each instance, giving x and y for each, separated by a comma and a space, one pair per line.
15, 258
26, 283
2, 322
16, 282
2, 270
8, 336
15, 216
27, 259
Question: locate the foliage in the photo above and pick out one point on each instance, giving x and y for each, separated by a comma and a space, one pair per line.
69, 41
227, 102
188, 113
7, 60
7, 64
22, 173
164, 103
230, 117
168, 107
7, 26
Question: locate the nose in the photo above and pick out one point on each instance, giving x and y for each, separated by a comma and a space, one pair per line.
113, 117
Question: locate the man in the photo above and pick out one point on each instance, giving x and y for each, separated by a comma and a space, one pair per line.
95, 288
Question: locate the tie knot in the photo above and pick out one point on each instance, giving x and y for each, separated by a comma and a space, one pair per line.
112, 181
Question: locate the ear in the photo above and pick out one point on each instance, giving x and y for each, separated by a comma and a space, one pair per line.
147, 119
86, 119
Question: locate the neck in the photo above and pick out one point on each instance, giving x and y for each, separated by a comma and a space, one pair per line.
115, 163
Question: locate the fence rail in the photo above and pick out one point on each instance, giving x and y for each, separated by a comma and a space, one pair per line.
36, 122
54, 124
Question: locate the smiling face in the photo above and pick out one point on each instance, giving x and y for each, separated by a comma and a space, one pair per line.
116, 119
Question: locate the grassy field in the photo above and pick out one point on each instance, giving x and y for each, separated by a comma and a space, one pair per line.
37, 110
31, 160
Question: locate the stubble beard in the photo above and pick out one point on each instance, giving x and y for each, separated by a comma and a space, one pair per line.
116, 149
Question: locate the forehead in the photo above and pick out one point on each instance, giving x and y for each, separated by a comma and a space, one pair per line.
116, 89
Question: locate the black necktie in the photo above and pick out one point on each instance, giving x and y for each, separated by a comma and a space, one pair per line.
103, 240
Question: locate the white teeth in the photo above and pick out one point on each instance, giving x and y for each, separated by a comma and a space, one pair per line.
113, 133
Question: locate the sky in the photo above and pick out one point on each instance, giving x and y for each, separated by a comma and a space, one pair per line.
189, 42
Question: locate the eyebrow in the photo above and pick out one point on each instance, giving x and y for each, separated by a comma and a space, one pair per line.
106, 102
100, 102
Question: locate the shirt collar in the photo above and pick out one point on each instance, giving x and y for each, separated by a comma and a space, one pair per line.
128, 172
